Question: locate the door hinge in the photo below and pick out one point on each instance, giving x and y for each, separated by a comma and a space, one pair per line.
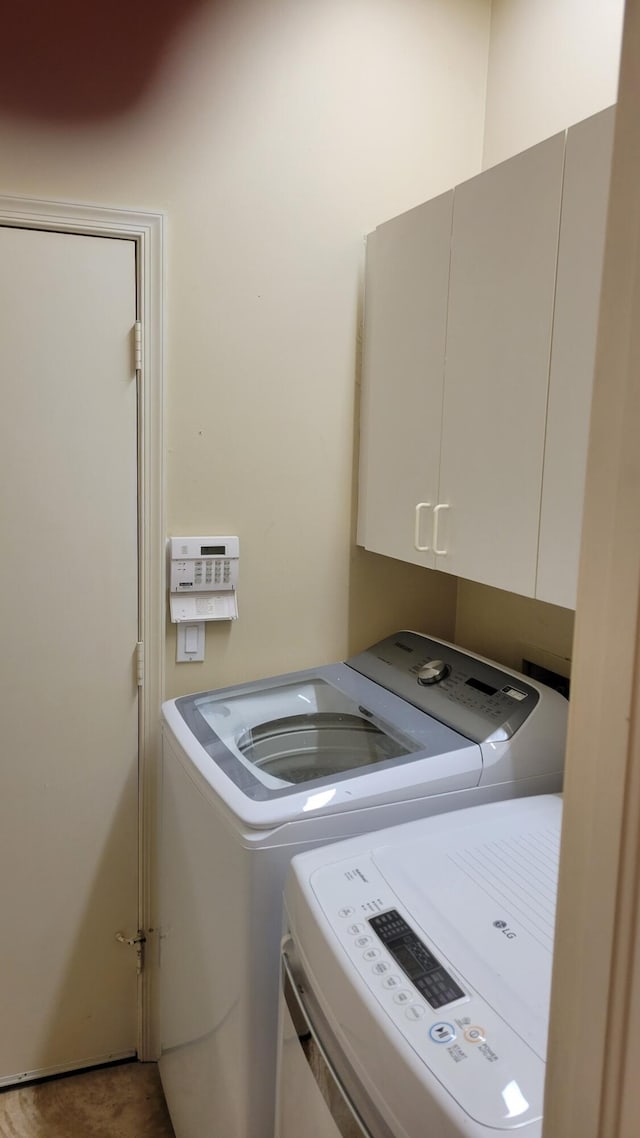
138, 942
137, 345
140, 663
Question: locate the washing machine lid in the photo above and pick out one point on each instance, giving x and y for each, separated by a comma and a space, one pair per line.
274, 736
455, 912
368, 732
488, 902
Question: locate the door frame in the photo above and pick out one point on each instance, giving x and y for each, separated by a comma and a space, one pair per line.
592, 1087
147, 231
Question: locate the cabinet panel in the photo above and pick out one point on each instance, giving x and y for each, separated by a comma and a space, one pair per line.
503, 264
580, 257
403, 372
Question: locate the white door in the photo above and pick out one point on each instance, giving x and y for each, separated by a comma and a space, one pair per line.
69, 626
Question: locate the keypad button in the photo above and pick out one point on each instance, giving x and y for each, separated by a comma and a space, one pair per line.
381, 967
415, 1011
442, 1032
362, 941
391, 982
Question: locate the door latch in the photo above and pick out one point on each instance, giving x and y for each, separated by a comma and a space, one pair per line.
138, 942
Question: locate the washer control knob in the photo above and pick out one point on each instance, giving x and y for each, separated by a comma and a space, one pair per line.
433, 672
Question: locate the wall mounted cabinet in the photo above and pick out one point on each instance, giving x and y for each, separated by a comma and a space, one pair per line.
480, 323
406, 291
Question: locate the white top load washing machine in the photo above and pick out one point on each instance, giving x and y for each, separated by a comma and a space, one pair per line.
252, 775
416, 978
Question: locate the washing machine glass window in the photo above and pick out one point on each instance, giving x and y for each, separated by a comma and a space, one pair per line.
329, 734
315, 744
322, 732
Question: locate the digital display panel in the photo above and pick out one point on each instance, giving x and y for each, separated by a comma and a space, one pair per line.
515, 693
415, 959
480, 686
213, 550
407, 961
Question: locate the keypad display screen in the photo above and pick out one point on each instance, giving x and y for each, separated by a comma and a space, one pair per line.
414, 958
407, 961
480, 685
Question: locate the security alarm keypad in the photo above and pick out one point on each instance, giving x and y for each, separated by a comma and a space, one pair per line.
198, 567
203, 578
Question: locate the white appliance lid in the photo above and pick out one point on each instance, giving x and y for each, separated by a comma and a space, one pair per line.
405, 699
436, 936
486, 899
305, 730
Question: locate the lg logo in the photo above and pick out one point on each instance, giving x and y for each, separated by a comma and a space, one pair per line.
505, 930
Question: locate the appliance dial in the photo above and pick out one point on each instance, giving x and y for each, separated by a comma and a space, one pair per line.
433, 672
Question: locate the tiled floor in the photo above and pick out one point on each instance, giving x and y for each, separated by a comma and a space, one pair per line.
124, 1101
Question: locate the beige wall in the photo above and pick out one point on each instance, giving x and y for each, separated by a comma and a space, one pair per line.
509, 628
275, 135
550, 64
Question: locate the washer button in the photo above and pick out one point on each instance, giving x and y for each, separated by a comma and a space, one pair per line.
391, 982
415, 1011
381, 967
475, 1034
404, 996
442, 1032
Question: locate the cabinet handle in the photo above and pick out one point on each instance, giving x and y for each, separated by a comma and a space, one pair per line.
436, 511
416, 528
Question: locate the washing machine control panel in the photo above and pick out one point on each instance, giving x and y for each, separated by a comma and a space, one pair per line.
469, 694
474, 1053
418, 963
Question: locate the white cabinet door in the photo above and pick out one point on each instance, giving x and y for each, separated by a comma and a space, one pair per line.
403, 370
503, 264
580, 257
498, 345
